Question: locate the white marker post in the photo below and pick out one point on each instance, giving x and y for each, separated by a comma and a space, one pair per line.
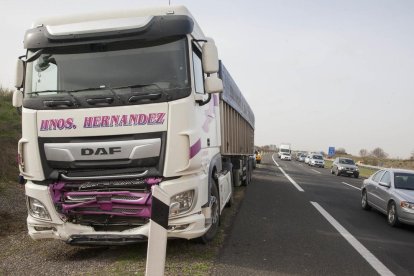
157, 236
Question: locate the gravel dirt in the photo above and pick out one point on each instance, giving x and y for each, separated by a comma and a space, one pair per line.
20, 255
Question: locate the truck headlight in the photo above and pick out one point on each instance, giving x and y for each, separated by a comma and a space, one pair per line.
181, 203
37, 209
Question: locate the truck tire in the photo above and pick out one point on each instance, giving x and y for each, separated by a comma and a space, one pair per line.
236, 178
215, 215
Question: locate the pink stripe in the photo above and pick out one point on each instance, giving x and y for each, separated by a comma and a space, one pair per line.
215, 100
194, 149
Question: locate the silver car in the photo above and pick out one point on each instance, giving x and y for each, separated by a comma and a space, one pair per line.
391, 191
344, 166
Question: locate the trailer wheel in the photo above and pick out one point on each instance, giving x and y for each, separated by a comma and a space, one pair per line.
215, 214
248, 176
236, 178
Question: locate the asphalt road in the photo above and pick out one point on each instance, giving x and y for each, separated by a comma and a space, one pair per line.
315, 227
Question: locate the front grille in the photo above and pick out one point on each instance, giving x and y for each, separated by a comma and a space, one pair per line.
113, 184
109, 223
130, 211
81, 198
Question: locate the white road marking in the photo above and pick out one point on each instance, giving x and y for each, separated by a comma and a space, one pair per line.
365, 253
288, 177
316, 171
351, 186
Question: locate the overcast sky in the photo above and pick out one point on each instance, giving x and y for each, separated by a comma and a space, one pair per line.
316, 73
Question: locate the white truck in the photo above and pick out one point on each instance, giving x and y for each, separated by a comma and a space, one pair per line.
113, 103
284, 148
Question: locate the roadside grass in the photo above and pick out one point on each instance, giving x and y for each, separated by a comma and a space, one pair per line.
184, 257
10, 131
363, 172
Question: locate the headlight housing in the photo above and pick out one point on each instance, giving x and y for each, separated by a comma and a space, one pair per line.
37, 209
181, 203
407, 206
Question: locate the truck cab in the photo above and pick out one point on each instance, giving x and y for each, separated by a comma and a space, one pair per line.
113, 103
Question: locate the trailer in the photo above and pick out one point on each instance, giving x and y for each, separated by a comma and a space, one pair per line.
115, 103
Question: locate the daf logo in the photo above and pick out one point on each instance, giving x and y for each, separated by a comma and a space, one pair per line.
100, 151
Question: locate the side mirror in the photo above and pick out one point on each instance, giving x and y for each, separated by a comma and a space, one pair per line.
18, 83
213, 84
17, 98
210, 57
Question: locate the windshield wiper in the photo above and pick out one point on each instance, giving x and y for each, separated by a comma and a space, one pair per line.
138, 86
146, 96
46, 91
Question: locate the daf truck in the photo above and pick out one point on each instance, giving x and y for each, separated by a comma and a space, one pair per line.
113, 103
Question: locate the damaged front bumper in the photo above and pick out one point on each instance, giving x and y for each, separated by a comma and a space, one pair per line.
128, 205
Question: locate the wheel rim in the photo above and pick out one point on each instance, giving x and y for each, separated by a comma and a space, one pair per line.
391, 214
364, 199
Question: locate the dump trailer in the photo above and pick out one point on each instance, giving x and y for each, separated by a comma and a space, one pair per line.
237, 130
114, 103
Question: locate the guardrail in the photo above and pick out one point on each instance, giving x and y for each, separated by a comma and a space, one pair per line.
370, 167
362, 165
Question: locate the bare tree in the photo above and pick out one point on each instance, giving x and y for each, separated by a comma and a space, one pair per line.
340, 151
363, 153
379, 153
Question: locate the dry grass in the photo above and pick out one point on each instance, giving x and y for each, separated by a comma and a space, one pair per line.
10, 132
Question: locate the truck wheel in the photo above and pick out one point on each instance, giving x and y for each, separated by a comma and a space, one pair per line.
215, 215
236, 178
248, 177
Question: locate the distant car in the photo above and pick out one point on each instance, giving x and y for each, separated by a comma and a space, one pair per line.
344, 166
297, 156
316, 160
258, 157
302, 158
307, 159
391, 191
285, 156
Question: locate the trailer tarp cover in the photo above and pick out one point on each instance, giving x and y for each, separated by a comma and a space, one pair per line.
233, 96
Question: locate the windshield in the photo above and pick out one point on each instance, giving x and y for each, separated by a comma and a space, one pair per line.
107, 69
346, 161
317, 157
285, 150
404, 181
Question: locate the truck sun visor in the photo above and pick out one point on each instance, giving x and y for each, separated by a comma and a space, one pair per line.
148, 28
99, 26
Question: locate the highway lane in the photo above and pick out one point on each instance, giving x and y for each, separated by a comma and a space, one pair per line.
278, 231
340, 197
282, 230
